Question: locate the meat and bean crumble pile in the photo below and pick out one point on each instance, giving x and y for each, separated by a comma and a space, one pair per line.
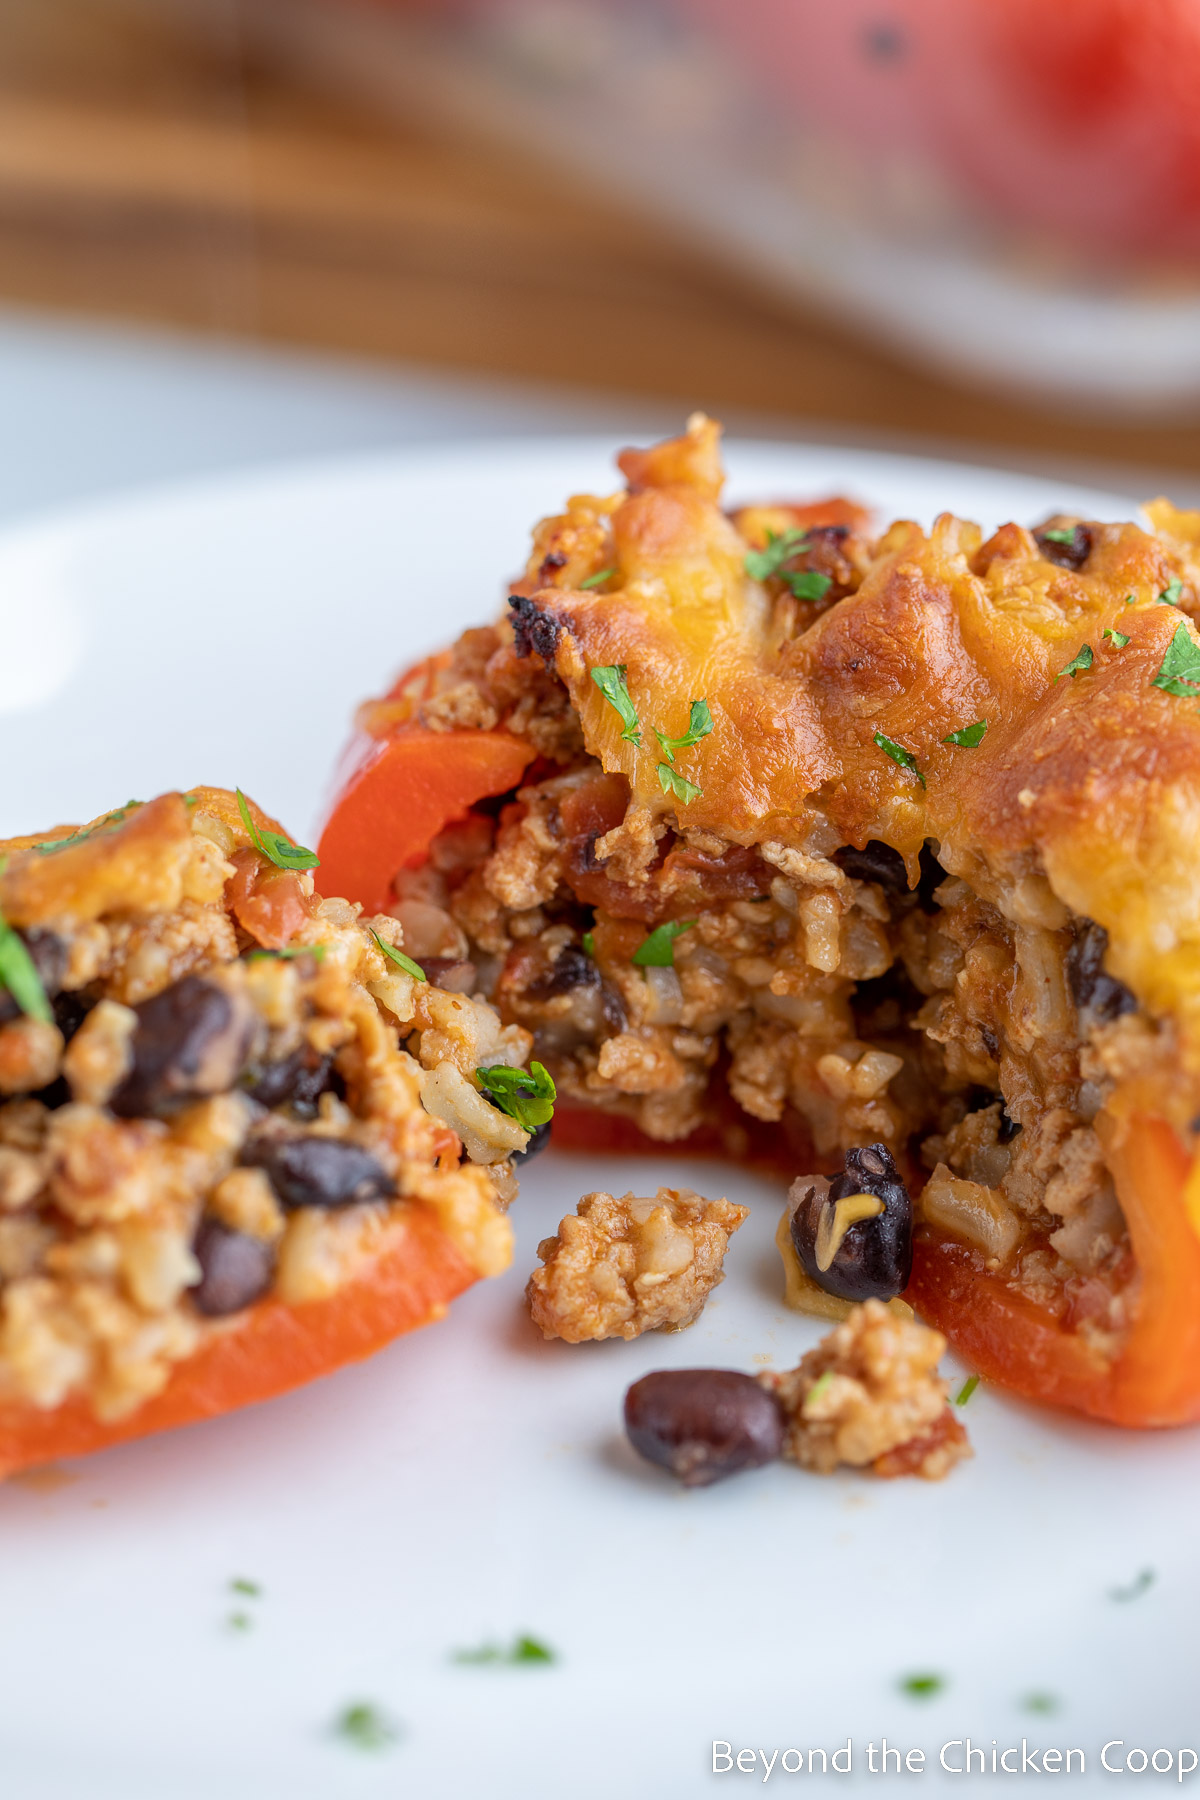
868, 1397
205, 1104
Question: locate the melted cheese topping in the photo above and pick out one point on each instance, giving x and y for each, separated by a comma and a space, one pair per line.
1085, 791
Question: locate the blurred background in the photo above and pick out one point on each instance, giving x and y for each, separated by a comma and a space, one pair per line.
235, 230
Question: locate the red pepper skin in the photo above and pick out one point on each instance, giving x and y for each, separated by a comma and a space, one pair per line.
264, 1351
1154, 1379
400, 792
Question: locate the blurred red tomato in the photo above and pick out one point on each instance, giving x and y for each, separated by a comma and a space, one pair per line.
1081, 117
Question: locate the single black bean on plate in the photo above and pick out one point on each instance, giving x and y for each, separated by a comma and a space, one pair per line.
236, 1269
1095, 992
453, 974
191, 1040
49, 955
703, 1424
318, 1171
856, 1240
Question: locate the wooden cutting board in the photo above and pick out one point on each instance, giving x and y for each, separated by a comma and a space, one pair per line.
145, 175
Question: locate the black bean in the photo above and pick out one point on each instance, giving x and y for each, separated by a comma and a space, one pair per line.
1070, 555
703, 1424
318, 1171
235, 1269
49, 955
191, 1040
571, 969
453, 974
70, 1010
872, 1258
297, 1081
534, 630
539, 1138
874, 862
1099, 995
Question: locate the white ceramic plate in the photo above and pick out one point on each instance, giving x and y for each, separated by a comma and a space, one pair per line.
472, 1482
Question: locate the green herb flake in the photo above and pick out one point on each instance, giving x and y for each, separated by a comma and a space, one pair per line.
904, 758
699, 725
672, 782
366, 1727
588, 941
808, 584
398, 957
819, 1386
1170, 594
526, 1095
658, 950
966, 1390
781, 546
1141, 1583
1117, 639
240, 1621
277, 848
921, 1687
108, 823
241, 1585
597, 580
1059, 534
1083, 659
1041, 1703
522, 1651
611, 682
289, 953
970, 736
19, 975
1131, 599
1179, 671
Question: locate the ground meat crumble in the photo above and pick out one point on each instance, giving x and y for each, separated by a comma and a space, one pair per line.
869, 1396
619, 1267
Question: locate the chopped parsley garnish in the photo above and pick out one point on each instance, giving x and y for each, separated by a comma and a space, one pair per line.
366, 1727
1083, 658
780, 546
273, 845
1059, 534
240, 1585
115, 817
1170, 594
970, 736
1117, 639
819, 1386
522, 1650
588, 941
1131, 599
1040, 1703
1179, 671
966, 1390
526, 1095
611, 682
240, 1621
808, 584
289, 953
898, 754
921, 1687
672, 782
597, 580
699, 725
18, 973
805, 584
398, 957
658, 950
1143, 1580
